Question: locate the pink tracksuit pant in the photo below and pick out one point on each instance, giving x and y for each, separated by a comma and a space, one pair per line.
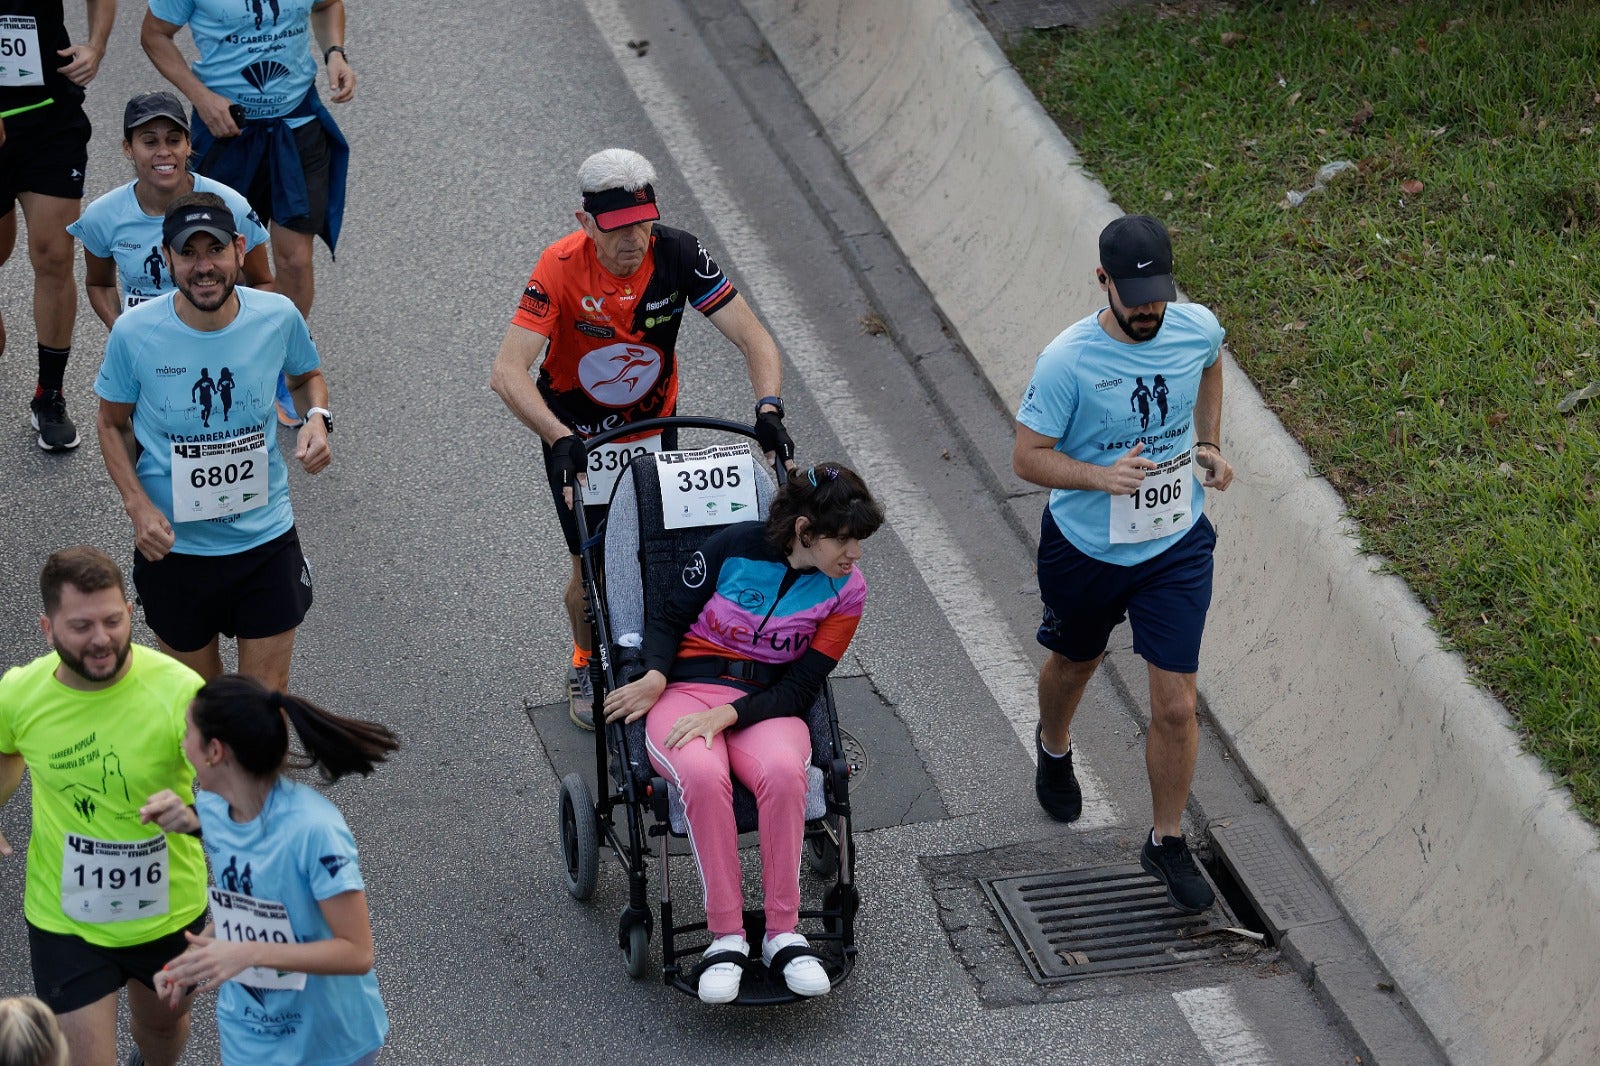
769, 758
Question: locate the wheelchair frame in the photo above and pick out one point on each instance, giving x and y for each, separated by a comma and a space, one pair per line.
584, 823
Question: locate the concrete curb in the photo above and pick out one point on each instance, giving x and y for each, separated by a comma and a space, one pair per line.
1473, 879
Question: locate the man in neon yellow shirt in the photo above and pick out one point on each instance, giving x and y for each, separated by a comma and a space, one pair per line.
99, 722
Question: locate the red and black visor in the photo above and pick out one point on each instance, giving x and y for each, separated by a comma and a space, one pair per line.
615, 208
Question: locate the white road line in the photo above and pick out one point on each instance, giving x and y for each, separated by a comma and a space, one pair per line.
1214, 1016
969, 609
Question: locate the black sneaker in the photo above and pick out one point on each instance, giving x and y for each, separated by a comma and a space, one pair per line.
56, 431
1055, 784
1173, 866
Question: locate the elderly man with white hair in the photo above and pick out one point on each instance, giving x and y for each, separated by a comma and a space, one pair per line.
600, 318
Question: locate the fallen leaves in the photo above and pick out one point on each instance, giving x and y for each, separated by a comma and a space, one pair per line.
1411, 187
1574, 398
1360, 118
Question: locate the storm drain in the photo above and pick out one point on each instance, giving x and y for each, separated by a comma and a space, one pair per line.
1073, 924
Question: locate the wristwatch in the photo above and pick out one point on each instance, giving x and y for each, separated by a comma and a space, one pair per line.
775, 401
327, 416
332, 48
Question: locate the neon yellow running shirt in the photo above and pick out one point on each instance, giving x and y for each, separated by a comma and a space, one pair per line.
95, 757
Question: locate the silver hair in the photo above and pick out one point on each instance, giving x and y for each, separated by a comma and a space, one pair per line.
615, 168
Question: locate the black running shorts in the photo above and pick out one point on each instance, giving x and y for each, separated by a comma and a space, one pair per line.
189, 599
316, 162
45, 152
69, 972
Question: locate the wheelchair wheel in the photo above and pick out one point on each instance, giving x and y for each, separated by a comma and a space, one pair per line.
822, 852
580, 837
637, 953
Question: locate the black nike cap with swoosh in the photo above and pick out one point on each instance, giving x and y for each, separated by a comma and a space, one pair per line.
1136, 252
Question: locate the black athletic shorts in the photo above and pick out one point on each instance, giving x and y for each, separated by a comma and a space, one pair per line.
260, 592
69, 972
591, 515
315, 161
46, 152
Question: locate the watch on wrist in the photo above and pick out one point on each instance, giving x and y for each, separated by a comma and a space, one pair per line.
327, 416
775, 401
332, 48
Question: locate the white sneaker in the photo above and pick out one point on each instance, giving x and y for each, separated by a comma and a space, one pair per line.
804, 975
720, 983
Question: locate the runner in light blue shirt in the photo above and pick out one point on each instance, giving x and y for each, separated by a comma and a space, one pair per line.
259, 124
1122, 421
186, 431
159, 364
121, 231
1094, 396
289, 949
257, 53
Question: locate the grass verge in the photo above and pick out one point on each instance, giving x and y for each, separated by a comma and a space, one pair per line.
1418, 320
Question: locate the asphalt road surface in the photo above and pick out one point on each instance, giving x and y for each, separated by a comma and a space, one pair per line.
438, 567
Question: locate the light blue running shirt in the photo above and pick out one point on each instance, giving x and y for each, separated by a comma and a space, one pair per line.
296, 852
257, 53
115, 227
1100, 397
212, 393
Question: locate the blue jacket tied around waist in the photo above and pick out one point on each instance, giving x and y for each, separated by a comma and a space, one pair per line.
234, 162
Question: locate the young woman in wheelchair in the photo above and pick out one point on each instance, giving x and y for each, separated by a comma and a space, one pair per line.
763, 614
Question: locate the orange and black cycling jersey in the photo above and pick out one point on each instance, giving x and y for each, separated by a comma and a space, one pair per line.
611, 358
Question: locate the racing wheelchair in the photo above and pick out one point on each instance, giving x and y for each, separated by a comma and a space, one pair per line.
652, 527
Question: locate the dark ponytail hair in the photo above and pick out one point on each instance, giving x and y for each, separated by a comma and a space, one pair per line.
834, 501
250, 718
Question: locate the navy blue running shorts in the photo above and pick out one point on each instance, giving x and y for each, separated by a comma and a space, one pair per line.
1165, 598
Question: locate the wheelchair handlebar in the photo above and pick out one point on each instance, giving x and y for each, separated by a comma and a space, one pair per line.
652, 425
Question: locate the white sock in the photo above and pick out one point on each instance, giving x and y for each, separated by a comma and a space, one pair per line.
1054, 755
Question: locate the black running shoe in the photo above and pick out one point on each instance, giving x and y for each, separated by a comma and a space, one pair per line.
1055, 784
56, 431
1173, 866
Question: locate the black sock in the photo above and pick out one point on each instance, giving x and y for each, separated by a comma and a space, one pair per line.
52, 367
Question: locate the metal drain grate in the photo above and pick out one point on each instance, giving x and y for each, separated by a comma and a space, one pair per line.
1105, 920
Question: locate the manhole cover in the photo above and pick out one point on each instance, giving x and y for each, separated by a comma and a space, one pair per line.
855, 755
1072, 924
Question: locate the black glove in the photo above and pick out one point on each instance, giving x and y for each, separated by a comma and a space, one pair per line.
772, 437
568, 459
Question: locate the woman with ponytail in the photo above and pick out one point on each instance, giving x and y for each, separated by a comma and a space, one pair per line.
289, 948
734, 661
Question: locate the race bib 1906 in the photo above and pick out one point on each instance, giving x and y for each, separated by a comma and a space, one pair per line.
217, 478
707, 487
606, 464
1162, 506
246, 919
20, 61
113, 880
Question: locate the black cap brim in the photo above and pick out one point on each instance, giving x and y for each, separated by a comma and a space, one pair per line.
181, 238
1135, 292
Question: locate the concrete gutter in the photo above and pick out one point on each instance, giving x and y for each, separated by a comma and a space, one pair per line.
1474, 881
